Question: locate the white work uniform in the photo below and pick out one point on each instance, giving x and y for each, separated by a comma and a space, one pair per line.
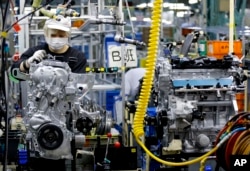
132, 80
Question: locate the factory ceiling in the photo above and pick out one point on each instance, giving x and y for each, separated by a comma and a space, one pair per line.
186, 2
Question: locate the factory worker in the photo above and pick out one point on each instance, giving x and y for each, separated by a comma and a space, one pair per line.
57, 36
132, 81
57, 47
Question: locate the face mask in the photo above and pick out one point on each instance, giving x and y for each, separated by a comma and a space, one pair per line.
57, 43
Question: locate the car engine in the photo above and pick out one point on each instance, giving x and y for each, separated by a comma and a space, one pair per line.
57, 112
196, 97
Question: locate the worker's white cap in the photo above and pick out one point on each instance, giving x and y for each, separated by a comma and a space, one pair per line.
60, 23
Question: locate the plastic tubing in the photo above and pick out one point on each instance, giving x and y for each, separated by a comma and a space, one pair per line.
150, 69
203, 157
203, 162
138, 125
242, 146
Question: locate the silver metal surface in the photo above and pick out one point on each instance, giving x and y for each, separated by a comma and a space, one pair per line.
57, 112
195, 110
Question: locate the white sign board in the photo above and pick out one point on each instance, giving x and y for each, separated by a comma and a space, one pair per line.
115, 55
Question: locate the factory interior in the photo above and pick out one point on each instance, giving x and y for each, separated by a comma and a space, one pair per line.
149, 85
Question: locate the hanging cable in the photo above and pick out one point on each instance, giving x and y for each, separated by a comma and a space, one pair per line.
117, 3
237, 144
2, 11
12, 7
138, 127
131, 22
3, 88
20, 19
3, 101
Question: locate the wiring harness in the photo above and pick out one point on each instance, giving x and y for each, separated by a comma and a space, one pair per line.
239, 141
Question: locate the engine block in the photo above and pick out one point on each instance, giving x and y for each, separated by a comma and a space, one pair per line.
196, 97
55, 112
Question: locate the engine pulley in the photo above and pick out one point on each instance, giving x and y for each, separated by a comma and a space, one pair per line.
84, 125
50, 136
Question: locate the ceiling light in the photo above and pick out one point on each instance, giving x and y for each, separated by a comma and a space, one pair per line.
142, 5
176, 6
192, 1
147, 19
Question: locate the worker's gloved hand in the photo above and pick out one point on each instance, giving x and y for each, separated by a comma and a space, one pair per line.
37, 57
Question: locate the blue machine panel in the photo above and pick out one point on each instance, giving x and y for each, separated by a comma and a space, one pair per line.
203, 82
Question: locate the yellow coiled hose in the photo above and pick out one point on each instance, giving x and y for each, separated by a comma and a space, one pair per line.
138, 125
150, 69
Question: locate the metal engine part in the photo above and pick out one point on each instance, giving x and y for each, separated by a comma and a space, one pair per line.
196, 97
56, 111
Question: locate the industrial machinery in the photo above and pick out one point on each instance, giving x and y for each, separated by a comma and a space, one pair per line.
57, 113
62, 121
196, 98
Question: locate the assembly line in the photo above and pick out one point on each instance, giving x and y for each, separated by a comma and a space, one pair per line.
86, 86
